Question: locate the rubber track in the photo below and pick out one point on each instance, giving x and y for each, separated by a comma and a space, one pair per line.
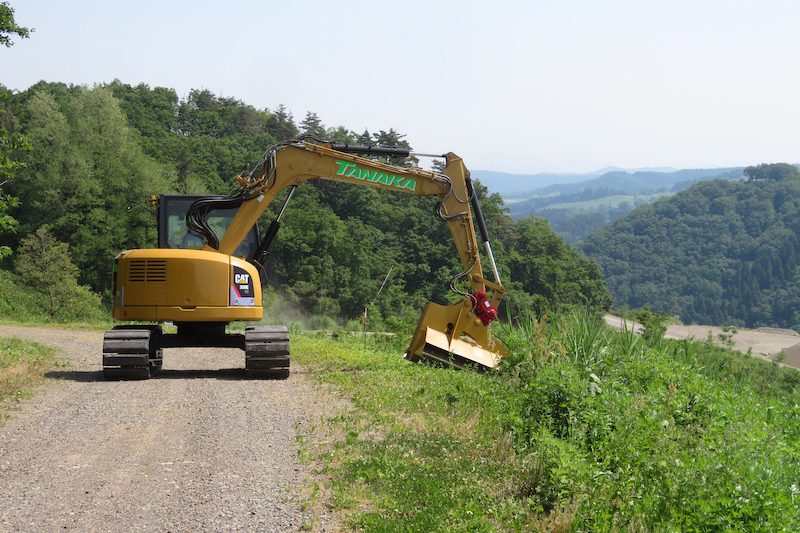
267, 350
126, 353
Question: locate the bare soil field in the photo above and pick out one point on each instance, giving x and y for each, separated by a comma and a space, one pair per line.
200, 447
762, 343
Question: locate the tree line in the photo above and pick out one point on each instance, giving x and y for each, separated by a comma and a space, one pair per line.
91, 157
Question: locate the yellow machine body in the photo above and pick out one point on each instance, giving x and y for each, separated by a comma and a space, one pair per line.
157, 285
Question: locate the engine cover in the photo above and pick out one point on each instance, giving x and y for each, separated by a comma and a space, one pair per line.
185, 286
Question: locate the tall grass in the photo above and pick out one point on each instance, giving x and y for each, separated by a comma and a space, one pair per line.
662, 436
582, 430
22, 365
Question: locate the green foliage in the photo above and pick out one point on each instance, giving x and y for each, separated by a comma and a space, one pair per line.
312, 125
87, 179
772, 171
8, 223
670, 441
720, 252
410, 457
45, 266
542, 264
11, 143
653, 325
22, 365
9, 27
582, 429
18, 301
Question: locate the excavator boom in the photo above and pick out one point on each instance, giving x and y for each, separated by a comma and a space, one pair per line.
456, 334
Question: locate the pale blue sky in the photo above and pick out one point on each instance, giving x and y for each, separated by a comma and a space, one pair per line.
515, 86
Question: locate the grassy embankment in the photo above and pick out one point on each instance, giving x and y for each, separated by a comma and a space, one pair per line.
582, 430
22, 365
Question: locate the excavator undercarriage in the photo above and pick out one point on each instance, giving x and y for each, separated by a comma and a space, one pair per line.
136, 352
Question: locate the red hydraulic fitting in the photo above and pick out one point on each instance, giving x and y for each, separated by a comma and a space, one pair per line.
484, 309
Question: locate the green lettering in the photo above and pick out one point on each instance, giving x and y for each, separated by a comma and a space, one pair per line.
350, 170
343, 165
395, 181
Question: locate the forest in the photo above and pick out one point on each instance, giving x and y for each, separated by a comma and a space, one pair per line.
720, 252
79, 164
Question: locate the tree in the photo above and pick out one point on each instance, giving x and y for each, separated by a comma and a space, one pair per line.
720, 252
654, 325
284, 128
542, 264
312, 125
772, 171
98, 153
10, 142
8, 27
88, 179
45, 265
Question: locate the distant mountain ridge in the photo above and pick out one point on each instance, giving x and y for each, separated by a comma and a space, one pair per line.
506, 183
644, 181
511, 185
578, 204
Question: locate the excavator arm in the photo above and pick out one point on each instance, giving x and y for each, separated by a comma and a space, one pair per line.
455, 335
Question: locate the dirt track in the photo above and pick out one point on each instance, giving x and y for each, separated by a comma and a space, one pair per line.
198, 448
763, 344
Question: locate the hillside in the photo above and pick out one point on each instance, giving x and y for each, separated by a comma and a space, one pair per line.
583, 429
721, 253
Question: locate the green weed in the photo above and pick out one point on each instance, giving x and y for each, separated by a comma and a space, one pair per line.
22, 365
582, 429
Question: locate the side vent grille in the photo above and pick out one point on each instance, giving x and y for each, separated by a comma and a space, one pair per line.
150, 270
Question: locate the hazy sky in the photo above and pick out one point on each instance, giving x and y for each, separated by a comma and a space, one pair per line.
515, 86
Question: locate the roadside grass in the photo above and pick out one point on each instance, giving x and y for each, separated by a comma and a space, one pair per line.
22, 367
582, 430
419, 452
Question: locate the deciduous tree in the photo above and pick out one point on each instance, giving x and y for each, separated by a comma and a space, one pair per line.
9, 27
11, 142
772, 171
44, 264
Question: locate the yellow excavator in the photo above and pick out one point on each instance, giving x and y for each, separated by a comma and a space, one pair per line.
201, 282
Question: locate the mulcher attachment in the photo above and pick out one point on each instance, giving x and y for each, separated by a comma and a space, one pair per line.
128, 353
267, 350
453, 335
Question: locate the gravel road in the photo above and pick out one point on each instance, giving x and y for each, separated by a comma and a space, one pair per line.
197, 448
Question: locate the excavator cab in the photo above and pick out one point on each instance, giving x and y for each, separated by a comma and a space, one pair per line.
174, 233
